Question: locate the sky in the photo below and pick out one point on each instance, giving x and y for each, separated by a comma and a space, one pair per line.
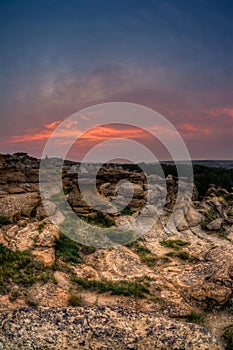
58, 57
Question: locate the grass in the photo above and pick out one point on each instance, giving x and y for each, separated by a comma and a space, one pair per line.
146, 256
127, 211
20, 268
67, 189
210, 215
196, 317
181, 255
114, 288
222, 233
120, 236
100, 219
86, 250
41, 226
68, 250
74, 300
4, 221
174, 244
32, 303
228, 337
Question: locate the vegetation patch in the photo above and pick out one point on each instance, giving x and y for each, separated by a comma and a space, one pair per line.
4, 221
210, 215
181, 255
68, 250
228, 337
146, 256
196, 317
120, 236
127, 211
100, 219
174, 244
125, 288
41, 226
74, 300
21, 268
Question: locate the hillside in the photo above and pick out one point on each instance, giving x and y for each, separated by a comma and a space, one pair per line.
166, 290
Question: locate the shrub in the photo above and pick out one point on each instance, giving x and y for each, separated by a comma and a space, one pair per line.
127, 211
174, 244
4, 221
85, 249
100, 219
196, 317
74, 300
68, 250
115, 288
32, 303
181, 255
41, 226
119, 236
20, 268
228, 337
146, 256
210, 215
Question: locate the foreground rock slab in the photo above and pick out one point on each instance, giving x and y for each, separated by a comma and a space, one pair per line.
98, 328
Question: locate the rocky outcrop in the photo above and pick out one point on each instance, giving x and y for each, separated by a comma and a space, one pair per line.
98, 328
185, 266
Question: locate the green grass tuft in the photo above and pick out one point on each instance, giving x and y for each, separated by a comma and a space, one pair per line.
115, 288
20, 268
228, 337
74, 300
68, 250
174, 244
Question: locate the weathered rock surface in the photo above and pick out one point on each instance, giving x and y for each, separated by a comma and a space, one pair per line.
98, 328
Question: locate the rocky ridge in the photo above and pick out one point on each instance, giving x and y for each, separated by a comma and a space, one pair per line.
184, 274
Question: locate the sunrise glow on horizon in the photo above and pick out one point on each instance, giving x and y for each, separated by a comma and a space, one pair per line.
58, 57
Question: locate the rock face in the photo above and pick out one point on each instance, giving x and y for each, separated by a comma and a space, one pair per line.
98, 328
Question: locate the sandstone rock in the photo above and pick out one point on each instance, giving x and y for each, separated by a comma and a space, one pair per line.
99, 328
215, 224
15, 206
46, 255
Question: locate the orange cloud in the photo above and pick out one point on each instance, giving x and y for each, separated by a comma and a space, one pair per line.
188, 127
53, 125
219, 111
71, 130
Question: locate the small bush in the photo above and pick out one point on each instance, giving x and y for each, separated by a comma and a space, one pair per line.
86, 250
41, 226
100, 219
196, 317
228, 337
67, 189
20, 268
119, 236
32, 303
210, 215
74, 300
4, 221
146, 256
115, 288
68, 250
181, 255
127, 211
174, 244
